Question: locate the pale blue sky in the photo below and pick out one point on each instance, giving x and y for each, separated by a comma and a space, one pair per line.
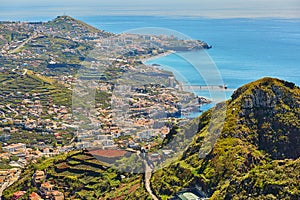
201, 8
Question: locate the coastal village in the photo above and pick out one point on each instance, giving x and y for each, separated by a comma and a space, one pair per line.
43, 64
149, 100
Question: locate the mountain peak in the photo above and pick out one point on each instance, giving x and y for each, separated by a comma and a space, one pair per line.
267, 114
263, 84
65, 22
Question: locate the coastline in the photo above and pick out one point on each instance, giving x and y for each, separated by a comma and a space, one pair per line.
153, 57
202, 99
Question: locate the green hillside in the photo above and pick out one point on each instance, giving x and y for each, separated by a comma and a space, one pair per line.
67, 23
55, 47
24, 92
255, 157
80, 176
18, 85
257, 154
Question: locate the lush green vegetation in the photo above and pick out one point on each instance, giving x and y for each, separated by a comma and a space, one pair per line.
4, 163
253, 158
80, 176
102, 99
16, 87
277, 179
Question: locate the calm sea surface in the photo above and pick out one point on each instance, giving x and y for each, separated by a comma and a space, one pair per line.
243, 49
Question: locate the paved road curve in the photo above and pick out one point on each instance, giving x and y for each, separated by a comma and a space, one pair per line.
148, 174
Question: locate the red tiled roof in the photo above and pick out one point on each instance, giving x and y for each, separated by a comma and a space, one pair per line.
18, 194
34, 196
108, 153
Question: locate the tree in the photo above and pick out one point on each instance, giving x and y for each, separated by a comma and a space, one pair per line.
14, 158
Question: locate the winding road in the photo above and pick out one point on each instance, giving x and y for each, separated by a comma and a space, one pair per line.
148, 174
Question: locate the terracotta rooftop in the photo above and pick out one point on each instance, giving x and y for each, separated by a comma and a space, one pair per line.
108, 153
35, 196
39, 173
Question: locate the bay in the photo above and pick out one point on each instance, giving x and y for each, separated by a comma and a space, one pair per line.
244, 50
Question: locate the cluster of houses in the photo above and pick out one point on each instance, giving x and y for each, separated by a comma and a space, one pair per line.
143, 113
8, 176
24, 155
45, 190
22, 32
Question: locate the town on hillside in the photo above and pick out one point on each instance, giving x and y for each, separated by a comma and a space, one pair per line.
68, 86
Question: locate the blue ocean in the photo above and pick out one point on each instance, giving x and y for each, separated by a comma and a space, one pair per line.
243, 50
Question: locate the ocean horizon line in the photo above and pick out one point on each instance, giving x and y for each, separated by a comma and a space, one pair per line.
81, 17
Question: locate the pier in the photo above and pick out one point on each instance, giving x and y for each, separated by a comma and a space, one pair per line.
202, 87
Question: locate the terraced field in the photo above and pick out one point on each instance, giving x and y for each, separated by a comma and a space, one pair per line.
32, 86
24, 93
80, 176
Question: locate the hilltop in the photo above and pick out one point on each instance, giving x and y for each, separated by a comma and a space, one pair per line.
55, 47
257, 154
65, 23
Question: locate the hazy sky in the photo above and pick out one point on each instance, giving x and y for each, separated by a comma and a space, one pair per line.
14, 9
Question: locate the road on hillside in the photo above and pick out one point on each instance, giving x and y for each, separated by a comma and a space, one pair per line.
25, 42
148, 174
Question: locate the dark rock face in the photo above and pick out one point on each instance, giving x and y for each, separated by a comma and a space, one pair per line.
259, 99
270, 108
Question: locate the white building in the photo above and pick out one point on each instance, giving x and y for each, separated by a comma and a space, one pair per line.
14, 147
